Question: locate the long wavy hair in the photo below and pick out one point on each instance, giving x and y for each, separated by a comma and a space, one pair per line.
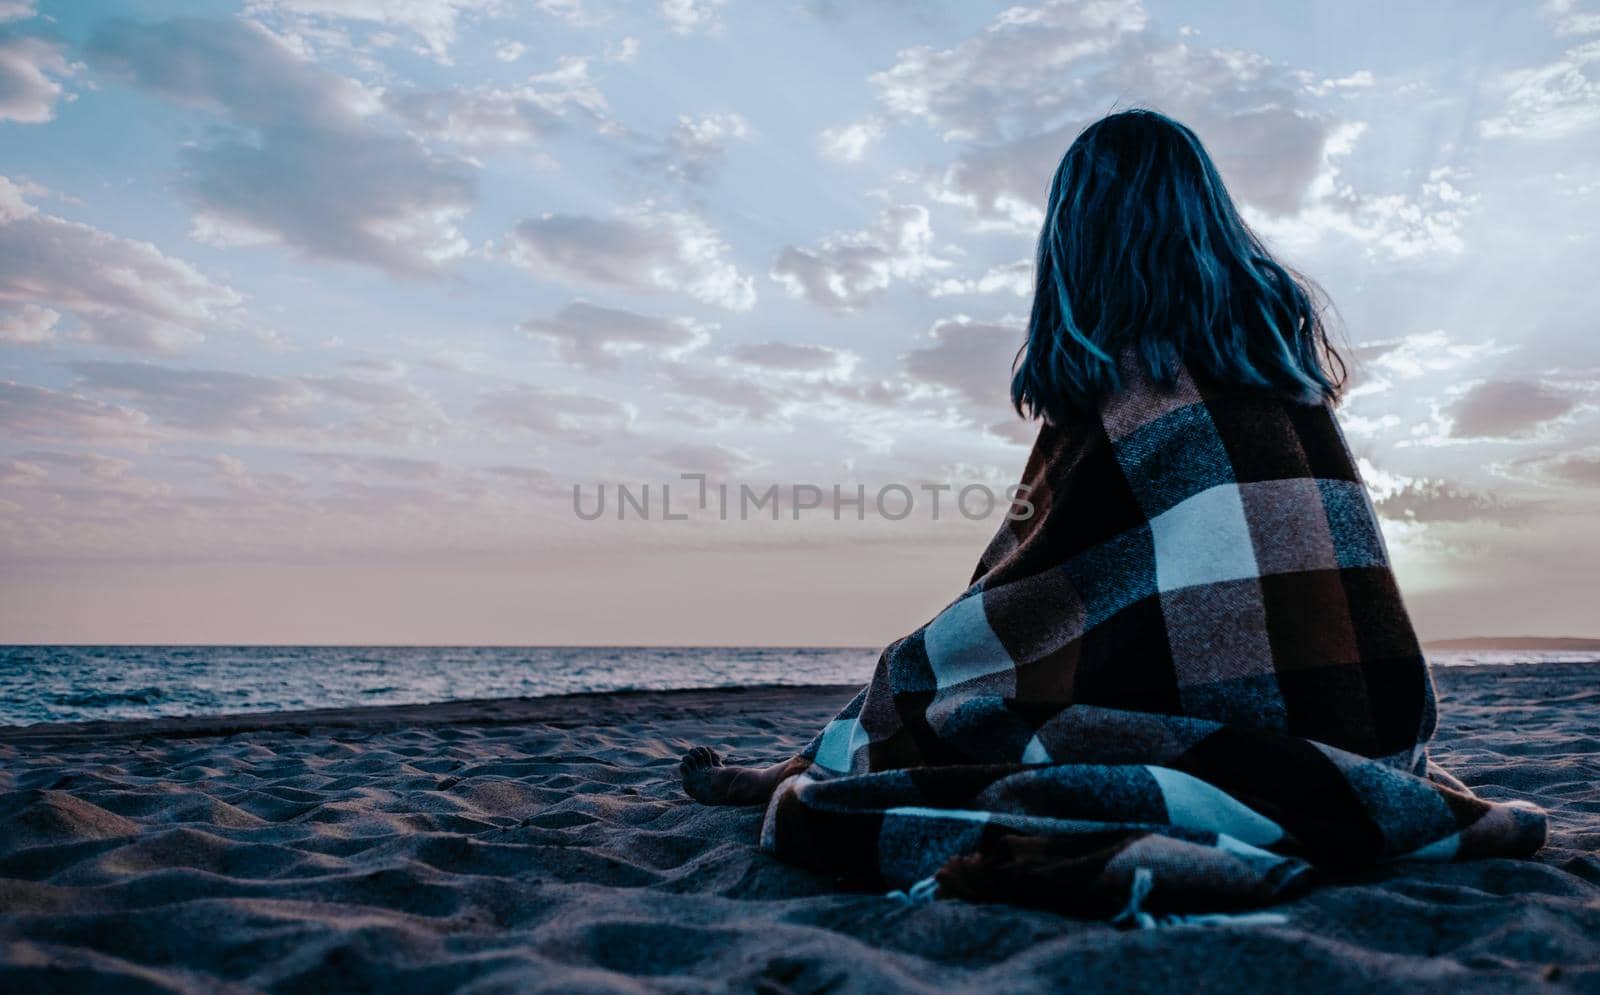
1144, 253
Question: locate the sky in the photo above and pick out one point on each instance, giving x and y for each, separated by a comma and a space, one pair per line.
313, 313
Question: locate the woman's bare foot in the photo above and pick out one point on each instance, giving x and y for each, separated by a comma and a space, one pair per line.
708, 780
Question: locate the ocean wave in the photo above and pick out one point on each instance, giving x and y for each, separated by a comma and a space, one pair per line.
73, 683
101, 698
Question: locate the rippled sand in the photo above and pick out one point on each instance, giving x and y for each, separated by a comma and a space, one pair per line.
544, 845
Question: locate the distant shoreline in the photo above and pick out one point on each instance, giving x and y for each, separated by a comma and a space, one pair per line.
1571, 644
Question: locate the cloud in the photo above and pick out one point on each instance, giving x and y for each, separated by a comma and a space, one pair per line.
16, 10
121, 292
302, 158
82, 479
1017, 431
1554, 100
851, 269
1008, 278
528, 477
644, 251
1427, 500
1569, 21
970, 358
775, 383
624, 50
1425, 221
519, 117
574, 12
1268, 149
840, 11
1581, 469
28, 325
698, 145
87, 464
1013, 68
21, 473
360, 467
29, 412
31, 71
233, 404
1507, 409
1014, 95
375, 368
752, 402
785, 357
716, 462
204, 401
593, 336
433, 22
561, 414
849, 142
692, 151
688, 16
1375, 366
240, 479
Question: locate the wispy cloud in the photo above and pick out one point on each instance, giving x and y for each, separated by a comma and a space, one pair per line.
1509, 408
32, 72
567, 415
595, 336
647, 250
231, 404
302, 157
121, 292
849, 270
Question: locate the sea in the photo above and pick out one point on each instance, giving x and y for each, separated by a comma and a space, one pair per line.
79, 683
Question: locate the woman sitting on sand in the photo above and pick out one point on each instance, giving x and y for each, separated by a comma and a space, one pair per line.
1188, 677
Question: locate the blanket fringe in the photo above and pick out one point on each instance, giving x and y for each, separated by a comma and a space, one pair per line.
1133, 916
920, 893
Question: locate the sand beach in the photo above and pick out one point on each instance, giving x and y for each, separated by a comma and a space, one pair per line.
545, 845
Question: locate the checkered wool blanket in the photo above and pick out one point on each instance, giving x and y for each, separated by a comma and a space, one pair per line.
1186, 683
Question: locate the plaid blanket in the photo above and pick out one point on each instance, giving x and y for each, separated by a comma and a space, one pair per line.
1186, 683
